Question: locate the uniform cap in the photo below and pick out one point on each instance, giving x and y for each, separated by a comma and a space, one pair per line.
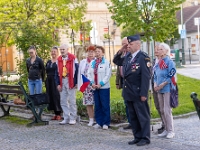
133, 38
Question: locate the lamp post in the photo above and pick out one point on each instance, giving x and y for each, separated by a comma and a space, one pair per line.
183, 53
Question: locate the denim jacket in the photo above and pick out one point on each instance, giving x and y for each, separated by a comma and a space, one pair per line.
162, 75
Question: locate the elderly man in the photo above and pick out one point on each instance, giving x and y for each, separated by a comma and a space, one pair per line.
119, 81
66, 84
135, 88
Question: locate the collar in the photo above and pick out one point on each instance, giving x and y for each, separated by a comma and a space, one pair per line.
134, 54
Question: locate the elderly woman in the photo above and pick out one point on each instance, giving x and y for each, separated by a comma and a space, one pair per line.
99, 75
51, 88
155, 94
163, 74
88, 98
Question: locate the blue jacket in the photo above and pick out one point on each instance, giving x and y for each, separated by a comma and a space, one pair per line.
162, 75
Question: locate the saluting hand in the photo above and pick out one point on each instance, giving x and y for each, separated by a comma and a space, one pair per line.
123, 49
143, 98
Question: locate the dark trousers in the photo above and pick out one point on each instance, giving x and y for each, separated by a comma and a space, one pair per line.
140, 119
102, 106
127, 114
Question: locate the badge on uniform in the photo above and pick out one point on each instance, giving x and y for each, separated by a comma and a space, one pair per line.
148, 64
135, 66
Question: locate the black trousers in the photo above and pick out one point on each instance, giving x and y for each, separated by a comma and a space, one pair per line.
139, 115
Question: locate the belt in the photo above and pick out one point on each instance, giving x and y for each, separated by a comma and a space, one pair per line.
65, 76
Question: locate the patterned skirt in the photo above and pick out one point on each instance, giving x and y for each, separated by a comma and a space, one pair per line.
88, 96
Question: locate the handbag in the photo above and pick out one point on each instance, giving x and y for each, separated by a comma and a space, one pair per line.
40, 99
174, 97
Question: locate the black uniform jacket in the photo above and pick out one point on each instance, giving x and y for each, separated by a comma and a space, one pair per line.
136, 75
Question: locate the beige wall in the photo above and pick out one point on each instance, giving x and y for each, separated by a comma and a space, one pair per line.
190, 3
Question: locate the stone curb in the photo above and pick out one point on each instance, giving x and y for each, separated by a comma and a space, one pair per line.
111, 125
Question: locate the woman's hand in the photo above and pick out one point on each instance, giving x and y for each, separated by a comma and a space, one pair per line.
98, 86
93, 86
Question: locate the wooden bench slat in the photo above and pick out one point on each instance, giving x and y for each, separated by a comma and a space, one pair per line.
11, 91
12, 104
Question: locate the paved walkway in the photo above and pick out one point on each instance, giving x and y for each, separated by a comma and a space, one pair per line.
191, 70
81, 137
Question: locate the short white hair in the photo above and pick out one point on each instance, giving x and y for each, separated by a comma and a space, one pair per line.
166, 47
64, 46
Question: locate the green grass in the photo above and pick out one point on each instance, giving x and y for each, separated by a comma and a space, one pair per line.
186, 85
16, 120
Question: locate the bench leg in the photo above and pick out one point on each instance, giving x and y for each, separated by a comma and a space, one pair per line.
37, 117
5, 111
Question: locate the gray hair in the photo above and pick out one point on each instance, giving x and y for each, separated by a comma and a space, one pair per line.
64, 46
166, 47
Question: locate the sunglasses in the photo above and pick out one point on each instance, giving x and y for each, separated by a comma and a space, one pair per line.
62, 49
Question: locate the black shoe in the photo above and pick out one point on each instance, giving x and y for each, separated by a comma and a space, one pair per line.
127, 127
133, 142
142, 143
160, 130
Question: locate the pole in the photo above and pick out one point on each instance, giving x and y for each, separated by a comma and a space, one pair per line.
109, 43
198, 38
183, 53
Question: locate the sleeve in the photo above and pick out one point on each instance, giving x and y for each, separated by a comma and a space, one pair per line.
76, 73
117, 79
27, 67
89, 73
79, 76
107, 74
171, 71
145, 77
118, 60
56, 77
42, 69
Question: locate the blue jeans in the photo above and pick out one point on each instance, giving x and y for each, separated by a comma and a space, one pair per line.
102, 106
35, 86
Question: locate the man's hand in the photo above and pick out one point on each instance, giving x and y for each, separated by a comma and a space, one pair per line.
59, 88
123, 49
143, 98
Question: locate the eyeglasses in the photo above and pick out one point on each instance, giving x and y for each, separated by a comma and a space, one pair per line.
30, 52
62, 49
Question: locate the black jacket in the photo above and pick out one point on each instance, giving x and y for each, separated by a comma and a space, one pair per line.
136, 75
35, 70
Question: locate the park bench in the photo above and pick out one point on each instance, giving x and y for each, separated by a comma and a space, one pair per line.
196, 102
7, 90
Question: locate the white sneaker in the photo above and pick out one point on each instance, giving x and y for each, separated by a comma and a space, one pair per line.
96, 126
105, 127
63, 122
163, 134
170, 135
91, 122
72, 122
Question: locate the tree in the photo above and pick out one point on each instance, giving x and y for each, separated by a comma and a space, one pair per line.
156, 19
34, 22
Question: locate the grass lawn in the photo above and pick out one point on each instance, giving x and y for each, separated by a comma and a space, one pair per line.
186, 85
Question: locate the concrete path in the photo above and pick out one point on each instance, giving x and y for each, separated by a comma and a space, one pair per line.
190, 70
81, 137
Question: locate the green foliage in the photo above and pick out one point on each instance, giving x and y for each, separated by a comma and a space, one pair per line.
186, 86
36, 22
155, 18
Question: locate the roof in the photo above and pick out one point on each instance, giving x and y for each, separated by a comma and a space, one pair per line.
189, 13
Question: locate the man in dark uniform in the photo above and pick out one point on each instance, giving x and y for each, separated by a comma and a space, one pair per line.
135, 89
